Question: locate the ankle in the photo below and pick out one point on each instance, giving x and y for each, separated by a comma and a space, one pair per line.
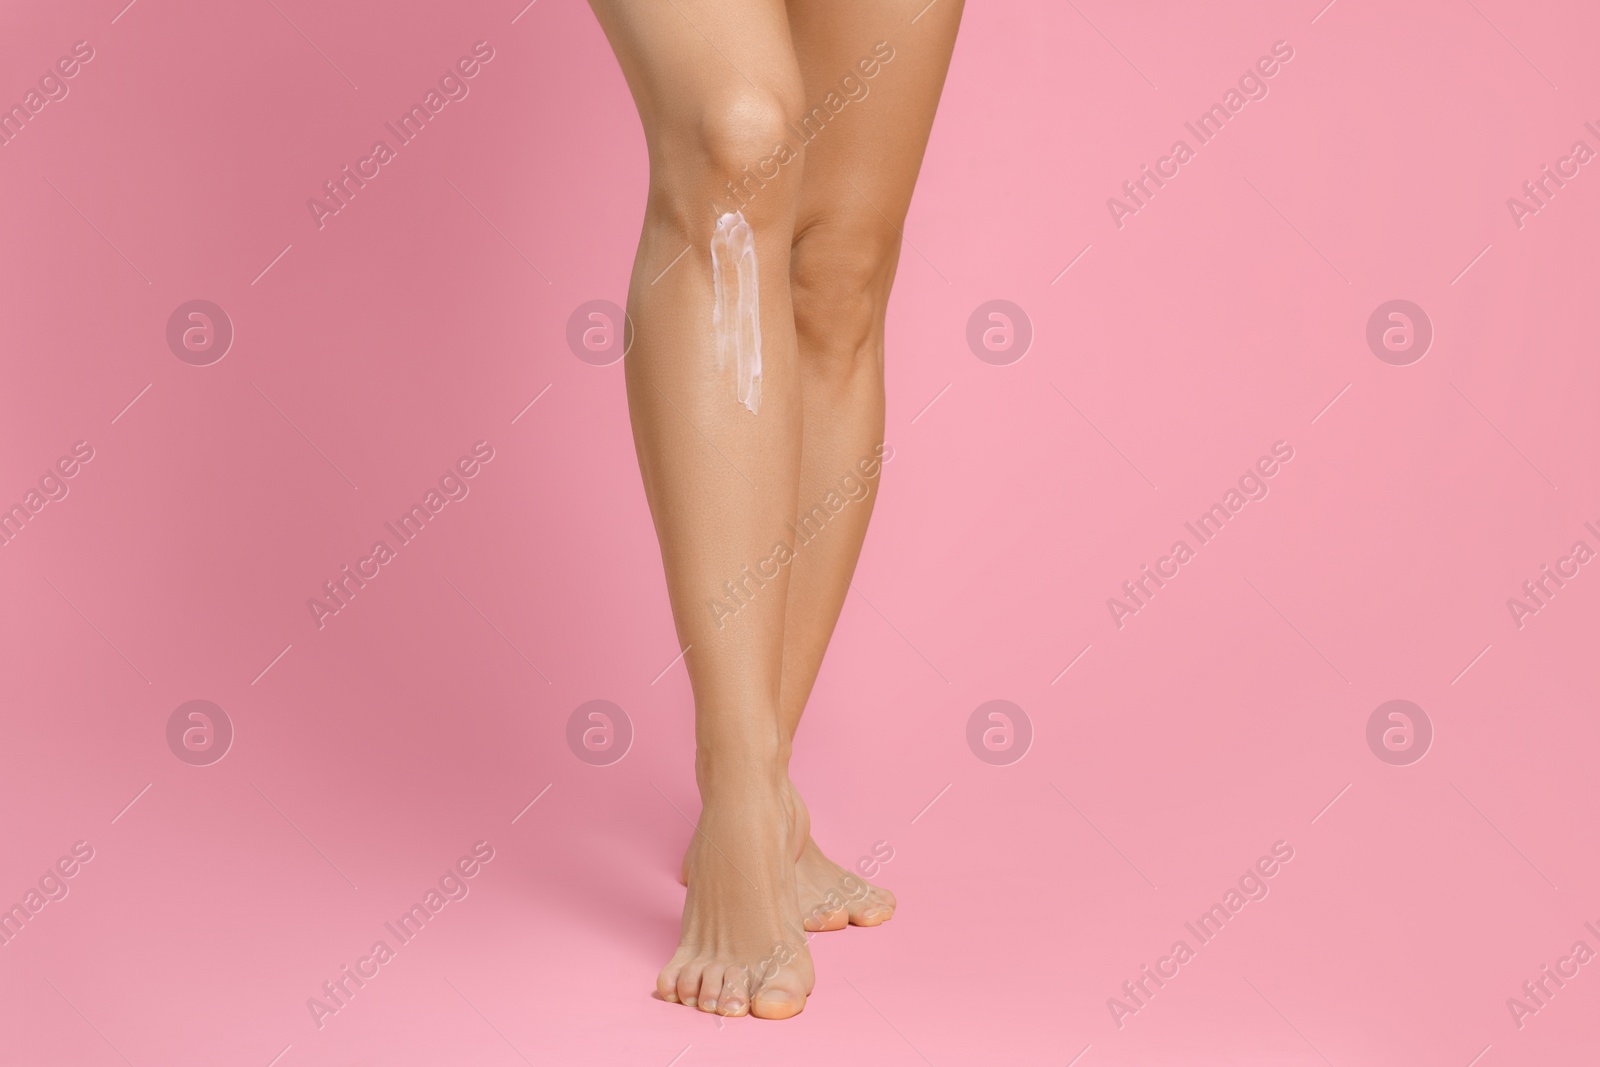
741, 759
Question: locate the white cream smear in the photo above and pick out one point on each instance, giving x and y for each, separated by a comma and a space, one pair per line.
736, 313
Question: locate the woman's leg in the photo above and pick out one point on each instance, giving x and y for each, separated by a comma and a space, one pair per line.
860, 169
715, 81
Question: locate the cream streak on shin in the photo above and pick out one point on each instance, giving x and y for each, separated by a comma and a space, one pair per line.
736, 312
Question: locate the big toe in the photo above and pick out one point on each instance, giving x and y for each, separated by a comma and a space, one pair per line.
781, 995
776, 1003
827, 917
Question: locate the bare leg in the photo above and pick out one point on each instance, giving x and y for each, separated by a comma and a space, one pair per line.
861, 166
860, 170
721, 481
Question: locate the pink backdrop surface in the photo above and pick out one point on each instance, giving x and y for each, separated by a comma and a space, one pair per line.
1152, 757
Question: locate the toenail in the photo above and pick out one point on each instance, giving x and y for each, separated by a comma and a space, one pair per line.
709, 1005
671, 998
688, 1001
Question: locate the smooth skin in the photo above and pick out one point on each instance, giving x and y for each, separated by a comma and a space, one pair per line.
717, 83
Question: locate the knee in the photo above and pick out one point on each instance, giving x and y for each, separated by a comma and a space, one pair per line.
734, 153
744, 127
840, 274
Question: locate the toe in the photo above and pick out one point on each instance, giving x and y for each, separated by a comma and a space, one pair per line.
735, 996
827, 916
710, 987
689, 982
823, 907
781, 986
773, 1002
667, 980
877, 908
871, 914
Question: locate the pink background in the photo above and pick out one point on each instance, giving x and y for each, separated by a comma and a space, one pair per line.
1225, 716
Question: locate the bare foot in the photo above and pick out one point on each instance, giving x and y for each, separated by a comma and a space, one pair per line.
829, 896
832, 898
742, 948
